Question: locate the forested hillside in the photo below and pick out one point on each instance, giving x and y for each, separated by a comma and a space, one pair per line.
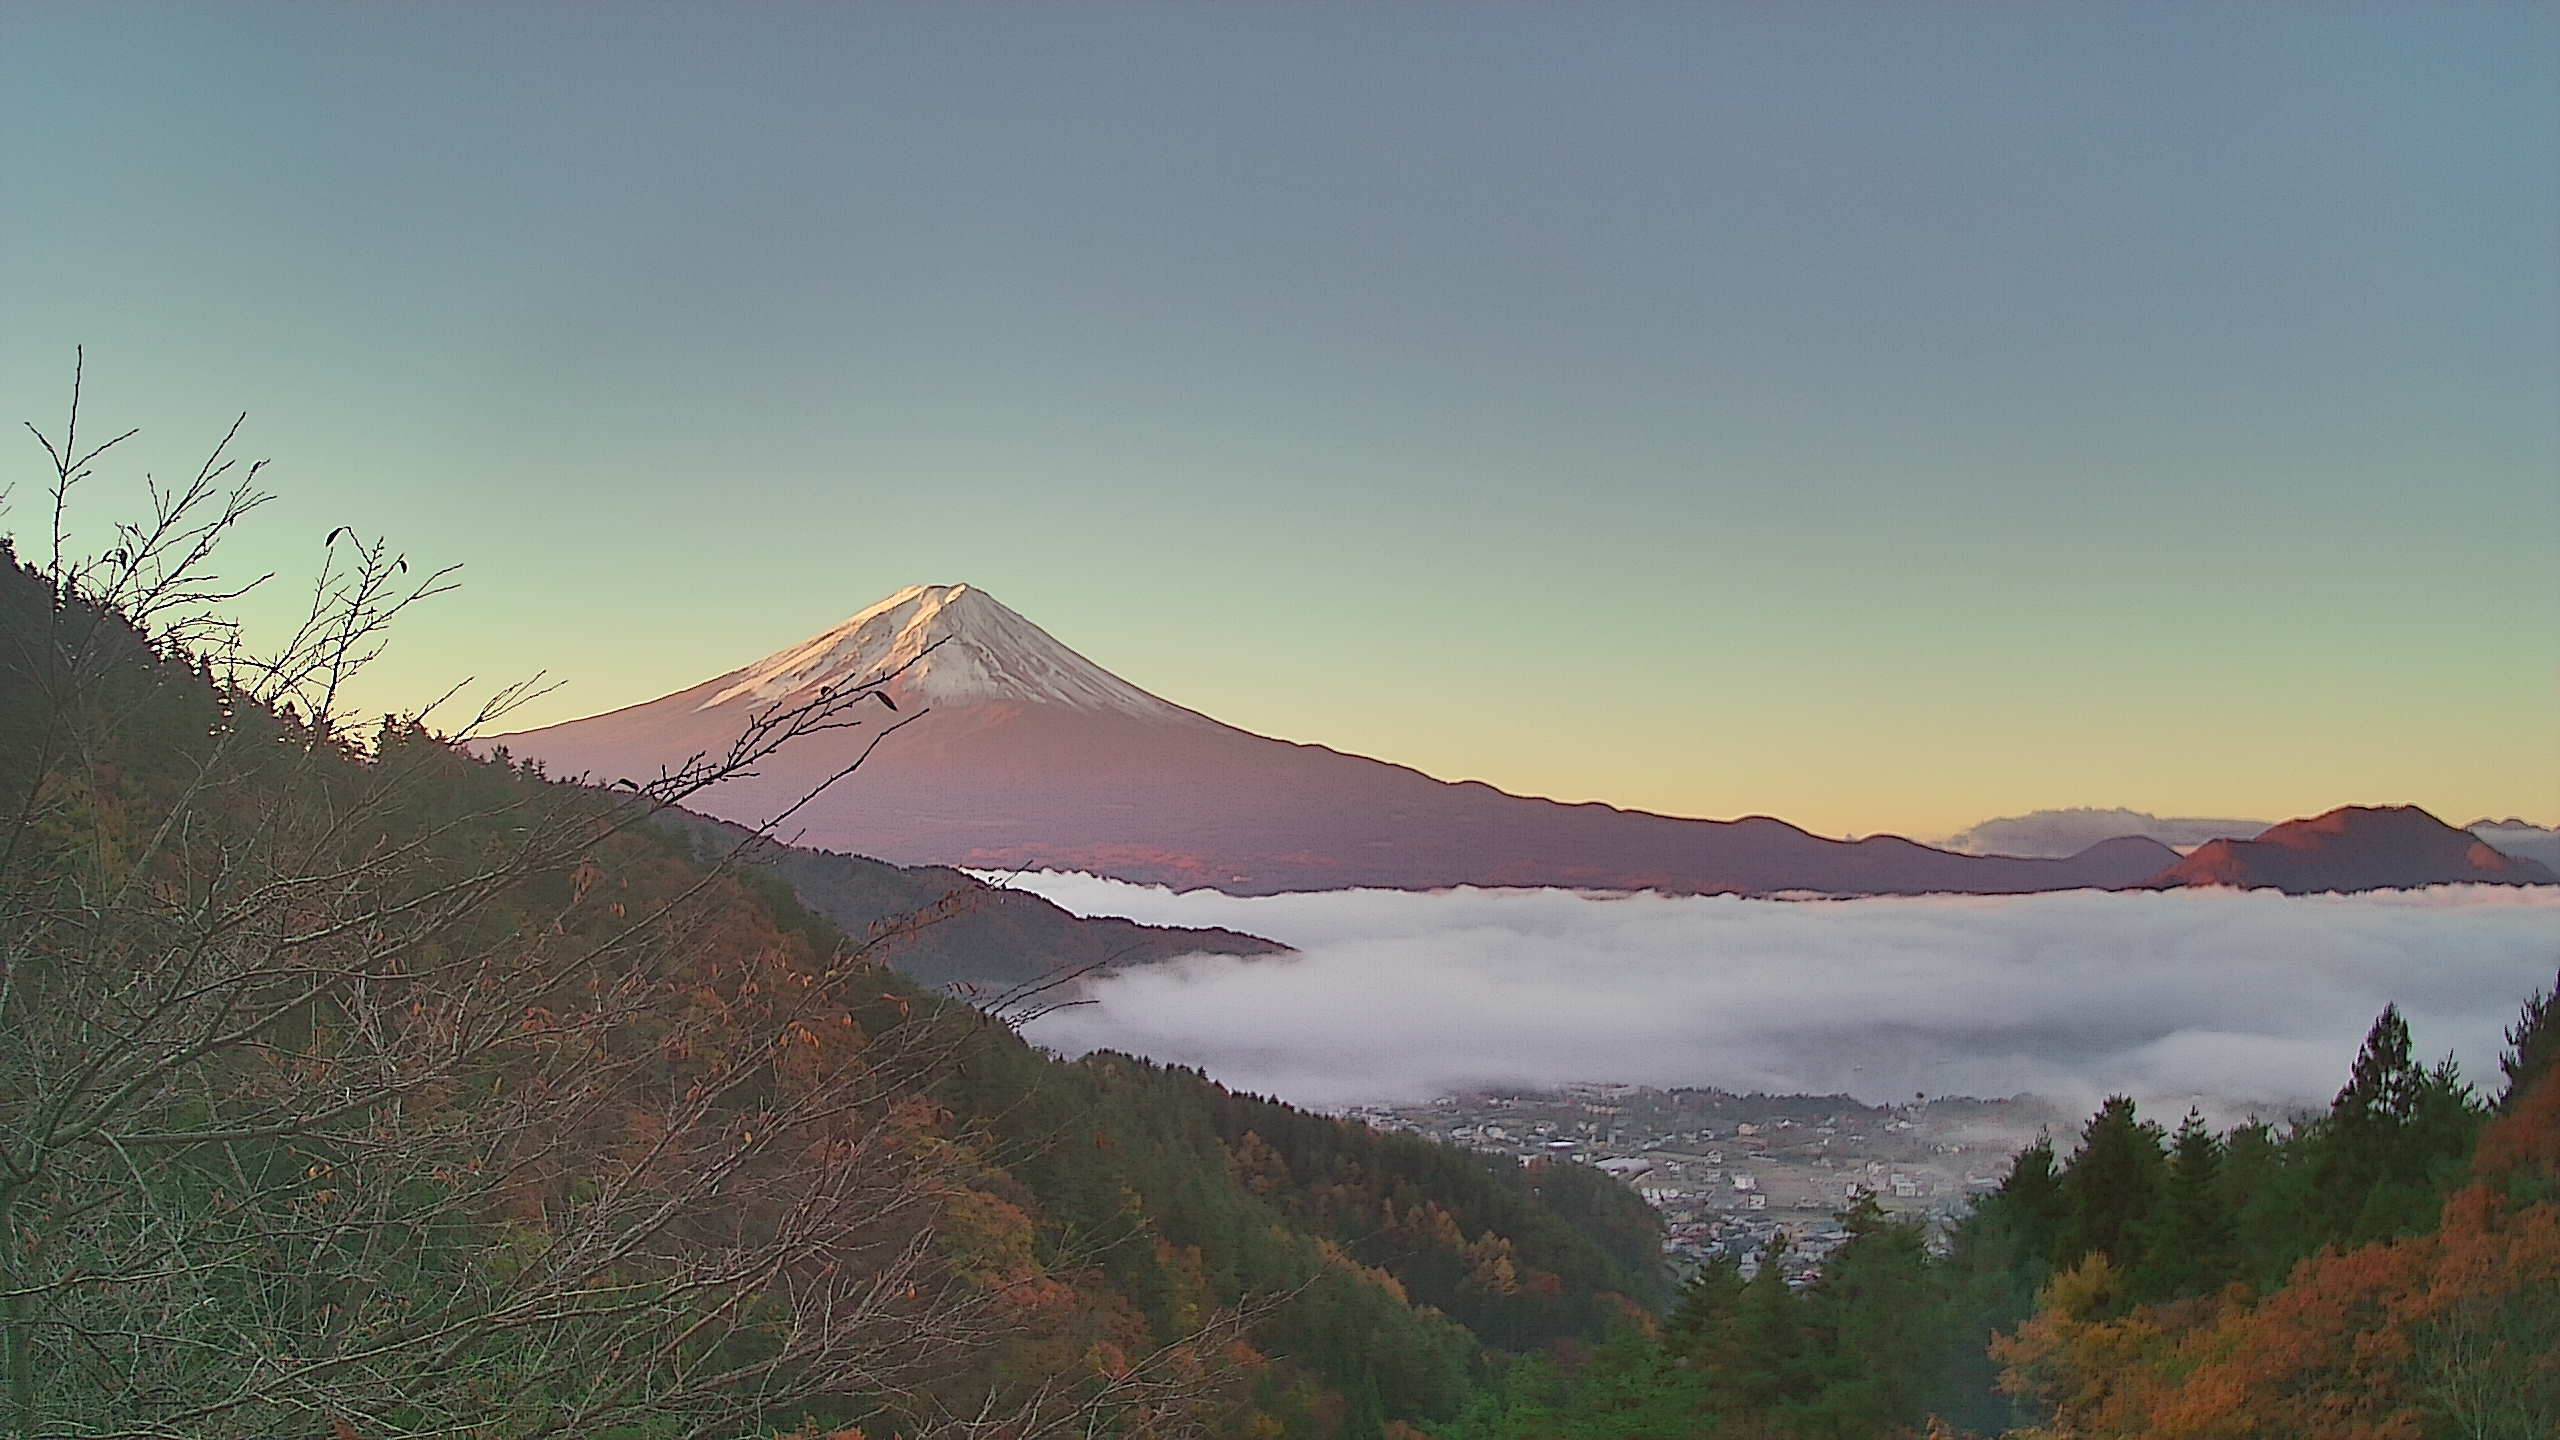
2390, 1268
371, 1089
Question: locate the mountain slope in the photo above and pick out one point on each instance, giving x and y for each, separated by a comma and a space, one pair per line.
1032, 756
944, 929
2354, 847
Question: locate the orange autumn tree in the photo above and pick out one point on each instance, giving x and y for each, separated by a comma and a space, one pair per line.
2451, 1333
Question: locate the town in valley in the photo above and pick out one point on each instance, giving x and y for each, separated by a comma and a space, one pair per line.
1728, 1173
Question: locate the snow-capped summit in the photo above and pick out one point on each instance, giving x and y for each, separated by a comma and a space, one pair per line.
980, 650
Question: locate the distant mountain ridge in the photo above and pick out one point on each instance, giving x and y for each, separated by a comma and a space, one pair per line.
2355, 847
2521, 839
947, 930
1022, 754
2070, 831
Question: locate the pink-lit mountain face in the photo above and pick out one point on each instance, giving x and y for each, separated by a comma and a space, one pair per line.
1031, 756
2354, 847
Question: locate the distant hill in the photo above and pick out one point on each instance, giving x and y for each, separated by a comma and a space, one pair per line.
2524, 841
1032, 756
2056, 833
2354, 847
948, 930
2064, 832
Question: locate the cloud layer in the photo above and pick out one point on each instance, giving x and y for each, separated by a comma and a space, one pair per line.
2242, 1002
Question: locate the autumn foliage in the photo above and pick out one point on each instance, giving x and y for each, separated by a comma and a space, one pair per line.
2455, 1332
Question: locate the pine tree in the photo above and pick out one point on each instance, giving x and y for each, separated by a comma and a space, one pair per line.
1992, 1273
2393, 1141
1879, 1314
2030, 1202
2356, 1140
2110, 1186
2533, 1045
2191, 1246
1769, 1370
1704, 1323
2382, 1090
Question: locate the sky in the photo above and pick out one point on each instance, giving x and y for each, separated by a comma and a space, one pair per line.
2239, 1003
1879, 416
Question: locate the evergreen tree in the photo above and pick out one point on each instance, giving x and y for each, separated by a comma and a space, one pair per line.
2382, 1090
2444, 1125
1769, 1371
1630, 1389
1627, 1389
2356, 1141
2191, 1246
1991, 1275
2267, 1186
1877, 1315
2030, 1202
1704, 1327
2533, 1045
2110, 1186
2394, 1140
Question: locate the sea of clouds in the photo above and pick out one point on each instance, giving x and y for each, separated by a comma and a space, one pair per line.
2241, 1002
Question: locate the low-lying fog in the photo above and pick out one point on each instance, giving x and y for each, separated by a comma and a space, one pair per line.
2243, 1002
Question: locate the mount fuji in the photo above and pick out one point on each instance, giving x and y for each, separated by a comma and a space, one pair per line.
1026, 755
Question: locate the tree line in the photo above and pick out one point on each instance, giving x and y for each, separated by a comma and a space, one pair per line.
2387, 1268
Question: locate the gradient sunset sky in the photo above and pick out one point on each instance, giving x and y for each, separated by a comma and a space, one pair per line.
1882, 417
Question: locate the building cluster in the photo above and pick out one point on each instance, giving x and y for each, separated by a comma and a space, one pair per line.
1729, 1173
